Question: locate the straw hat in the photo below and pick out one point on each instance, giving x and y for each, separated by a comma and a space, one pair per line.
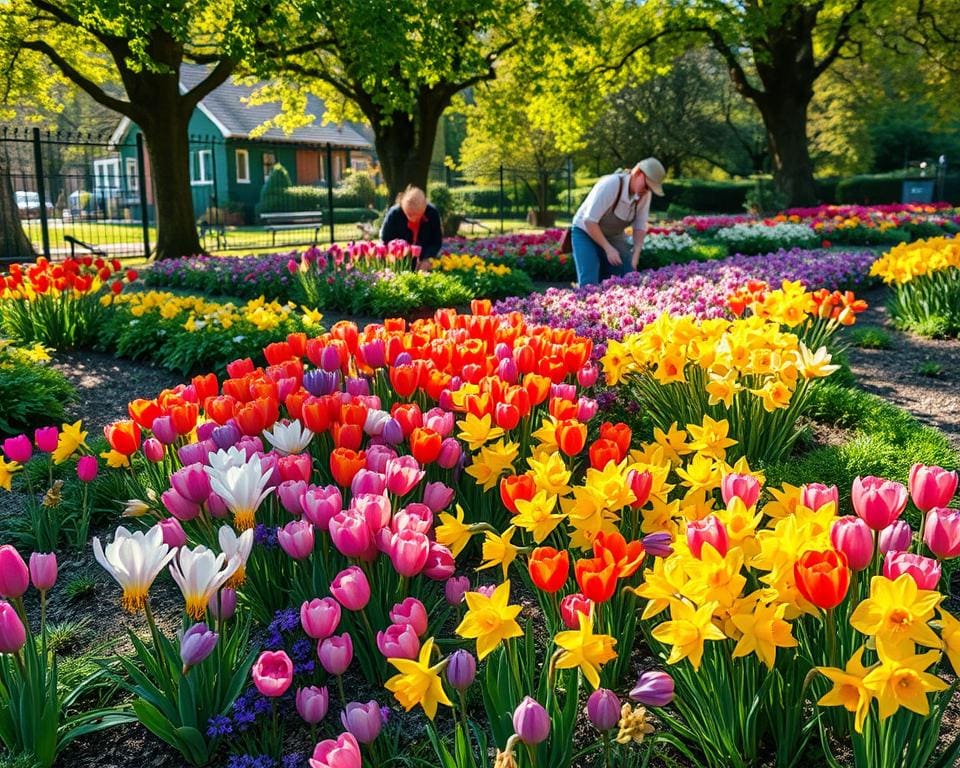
655, 173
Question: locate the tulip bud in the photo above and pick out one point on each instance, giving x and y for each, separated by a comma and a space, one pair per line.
162, 428
896, 537
320, 617
572, 606
18, 449
312, 704
336, 653
603, 709
173, 534
290, 493
659, 544
925, 571
461, 669
196, 644
853, 537
87, 468
14, 576
586, 409
362, 720
653, 689
455, 588
223, 604
43, 570
450, 453
153, 450
587, 376
351, 588
13, 635
531, 722
641, 483
941, 532
931, 486
437, 496
707, 531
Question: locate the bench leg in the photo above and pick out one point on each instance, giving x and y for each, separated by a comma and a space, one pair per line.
316, 236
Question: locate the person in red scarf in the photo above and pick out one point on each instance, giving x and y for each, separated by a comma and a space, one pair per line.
415, 221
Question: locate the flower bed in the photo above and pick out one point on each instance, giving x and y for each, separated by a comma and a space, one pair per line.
624, 305
245, 277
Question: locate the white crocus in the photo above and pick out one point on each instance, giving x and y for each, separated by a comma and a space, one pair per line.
242, 488
289, 438
223, 459
200, 573
236, 548
134, 560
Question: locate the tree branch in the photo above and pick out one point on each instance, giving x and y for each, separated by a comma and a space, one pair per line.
841, 39
217, 77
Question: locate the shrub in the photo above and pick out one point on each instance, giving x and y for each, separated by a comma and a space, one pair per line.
759, 238
701, 195
32, 394
764, 198
870, 338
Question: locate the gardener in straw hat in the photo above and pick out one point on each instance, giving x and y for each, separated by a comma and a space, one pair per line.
617, 201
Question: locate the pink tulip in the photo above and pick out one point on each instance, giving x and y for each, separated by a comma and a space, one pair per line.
450, 453
877, 501
297, 466
816, 495
13, 635
896, 537
408, 552
707, 531
14, 576
173, 534
377, 458
335, 653
439, 420
216, 506
342, 753
398, 641
153, 450
587, 376
413, 517
587, 408
163, 430
368, 482
455, 588
437, 496
931, 486
18, 449
46, 438
941, 532
506, 370
403, 473
351, 588
43, 570
572, 606
296, 539
272, 673
320, 617
87, 468
350, 534
312, 704
362, 720
925, 571
290, 493
179, 506
192, 483
440, 564
853, 537
743, 487
373, 509
320, 505
411, 611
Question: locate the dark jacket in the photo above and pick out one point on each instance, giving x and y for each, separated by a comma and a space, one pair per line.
429, 237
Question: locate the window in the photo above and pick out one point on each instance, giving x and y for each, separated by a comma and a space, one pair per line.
133, 177
243, 166
269, 160
201, 167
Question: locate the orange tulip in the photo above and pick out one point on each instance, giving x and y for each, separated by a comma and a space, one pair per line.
277, 352
315, 415
403, 378
614, 548
538, 387
515, 487
220, 409
549, 568
143, 412
345, 463
553, 368
425, 445
571, 436
823, 578
184, 417
298, 344
409, 416
353, 413
597, 578
347, 436
206, 386
294, 403
123, 436
251, 418
479, 405
620, 433
602, 452
562, 409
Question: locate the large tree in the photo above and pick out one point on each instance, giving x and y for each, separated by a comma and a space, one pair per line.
140, 47
399, 64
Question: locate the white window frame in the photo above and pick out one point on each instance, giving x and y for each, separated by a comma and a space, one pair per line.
245, 178
198, 171
133, 175
106, 174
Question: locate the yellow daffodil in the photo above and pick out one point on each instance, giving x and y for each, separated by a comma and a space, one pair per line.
815, 365
633, 725
537, 516
710, 437
478, 431
582, 648
115, 459
662, 586
490, 620
763, 631
848, 689
418, 682
950, 633
72, 436
493, 462
550, 474
687, 631
499, 550
900, 680
673, 442
7, 470
615, 362
453, 532
897, 613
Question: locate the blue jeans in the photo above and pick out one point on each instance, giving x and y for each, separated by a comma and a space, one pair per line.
591, 262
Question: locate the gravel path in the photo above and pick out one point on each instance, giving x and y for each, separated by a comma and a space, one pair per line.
894, 373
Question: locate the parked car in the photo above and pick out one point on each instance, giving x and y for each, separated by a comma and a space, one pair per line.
28, 205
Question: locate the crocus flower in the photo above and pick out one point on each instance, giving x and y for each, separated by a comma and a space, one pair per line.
272, 673
877, 501
43, 570
289, 438
196, 644
351, 588
603, 709
243, 487
531, 722
134, 560
344, 752
14, 575
931, 486
312, 703
336, 653
658, 544
941, 532
200, 573
362, 720
320, 617
411, 611
925, 571
236, 547
653, 689
13, 635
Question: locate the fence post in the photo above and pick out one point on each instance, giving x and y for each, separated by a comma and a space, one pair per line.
142, 188
501, 198
330, 191
41, 190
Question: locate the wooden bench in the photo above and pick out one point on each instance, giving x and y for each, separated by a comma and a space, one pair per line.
474, 224
280, 222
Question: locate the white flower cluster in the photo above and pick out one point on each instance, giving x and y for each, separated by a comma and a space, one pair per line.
785, 235
670, 242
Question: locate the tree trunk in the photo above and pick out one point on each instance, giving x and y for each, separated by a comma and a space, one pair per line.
168, 143
405, 146
14, 245
785, 117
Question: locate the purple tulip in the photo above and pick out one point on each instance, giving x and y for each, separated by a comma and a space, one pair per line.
162, 428
223, 607
653, 689
196, 644
461, 669
603, 709
312, 704
362, 720
531, 722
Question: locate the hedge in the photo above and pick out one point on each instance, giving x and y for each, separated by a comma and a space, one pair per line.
878, 189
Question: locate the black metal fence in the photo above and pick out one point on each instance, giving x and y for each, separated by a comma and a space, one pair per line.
79, 193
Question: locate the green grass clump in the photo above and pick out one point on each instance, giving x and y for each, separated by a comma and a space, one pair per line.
79, 587
33, 395
870, 338
930, 368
